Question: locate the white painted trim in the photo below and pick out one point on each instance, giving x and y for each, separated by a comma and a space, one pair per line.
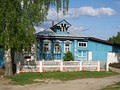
67, 41
82, 55
57, 41
47, 41
49, 45
59, 47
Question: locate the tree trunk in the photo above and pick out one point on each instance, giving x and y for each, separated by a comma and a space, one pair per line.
8, 63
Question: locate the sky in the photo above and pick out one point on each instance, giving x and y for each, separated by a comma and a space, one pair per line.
91, 18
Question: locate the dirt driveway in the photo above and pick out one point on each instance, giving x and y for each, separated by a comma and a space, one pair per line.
80, 84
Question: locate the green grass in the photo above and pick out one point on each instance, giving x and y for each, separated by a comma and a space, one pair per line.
113, 87
28, 78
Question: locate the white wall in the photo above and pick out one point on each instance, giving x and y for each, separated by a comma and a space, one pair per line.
113, 57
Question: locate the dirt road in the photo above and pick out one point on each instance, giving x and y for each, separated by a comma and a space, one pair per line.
81, 84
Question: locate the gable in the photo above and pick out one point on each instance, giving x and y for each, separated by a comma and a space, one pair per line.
61, 25
64, 23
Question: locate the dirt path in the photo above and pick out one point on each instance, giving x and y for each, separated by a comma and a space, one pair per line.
81, 84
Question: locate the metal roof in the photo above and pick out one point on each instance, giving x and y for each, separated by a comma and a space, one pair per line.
46, 32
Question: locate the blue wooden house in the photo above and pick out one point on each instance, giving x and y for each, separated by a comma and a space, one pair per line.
54, 42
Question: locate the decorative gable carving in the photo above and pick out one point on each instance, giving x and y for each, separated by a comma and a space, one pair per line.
62, 26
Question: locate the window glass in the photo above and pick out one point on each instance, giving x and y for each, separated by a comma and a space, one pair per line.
57, 47
46, 47
67, 47
82, 44
82, 55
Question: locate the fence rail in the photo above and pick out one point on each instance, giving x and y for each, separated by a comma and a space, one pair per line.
45, 66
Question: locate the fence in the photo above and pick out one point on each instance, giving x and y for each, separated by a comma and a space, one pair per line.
45, 66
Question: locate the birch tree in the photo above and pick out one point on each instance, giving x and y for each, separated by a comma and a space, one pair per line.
17, 20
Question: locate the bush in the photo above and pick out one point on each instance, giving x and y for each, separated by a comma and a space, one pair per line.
115, 65
68, 56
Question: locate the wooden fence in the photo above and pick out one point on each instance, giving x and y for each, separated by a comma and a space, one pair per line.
45, 66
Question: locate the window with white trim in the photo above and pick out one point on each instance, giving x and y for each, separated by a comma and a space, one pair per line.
82, 44
57, 47
46, 46
67, 46
82, 55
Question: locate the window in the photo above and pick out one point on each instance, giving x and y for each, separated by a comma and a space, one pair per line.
67, 46
63, 27
46, 46
82, 55
82, 44
57, 47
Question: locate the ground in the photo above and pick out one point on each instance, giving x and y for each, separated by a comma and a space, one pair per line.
80, 84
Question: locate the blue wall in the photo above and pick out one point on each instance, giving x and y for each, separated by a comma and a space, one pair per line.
52, 56
1, 58
99, 50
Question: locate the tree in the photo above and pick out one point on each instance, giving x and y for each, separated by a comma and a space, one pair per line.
17, 20
68, 56
115, 39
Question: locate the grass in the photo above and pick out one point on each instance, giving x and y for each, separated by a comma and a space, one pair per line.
28, 78
113, 87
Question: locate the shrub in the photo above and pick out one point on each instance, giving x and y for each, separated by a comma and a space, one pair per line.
115, 65
68, 56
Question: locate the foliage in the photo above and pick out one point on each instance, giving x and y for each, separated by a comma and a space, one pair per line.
115, 65
115, 39
113, 87
68, 56
17, 21
28, 78
18, 17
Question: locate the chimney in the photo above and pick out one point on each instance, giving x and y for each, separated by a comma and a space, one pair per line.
52, 23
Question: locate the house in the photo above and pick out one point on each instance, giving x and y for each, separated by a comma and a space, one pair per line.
54, 42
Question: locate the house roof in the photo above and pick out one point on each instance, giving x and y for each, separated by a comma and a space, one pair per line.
46, 32
103, 41
60, 37
49, 33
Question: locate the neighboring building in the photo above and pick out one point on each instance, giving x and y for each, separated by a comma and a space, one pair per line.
54, 42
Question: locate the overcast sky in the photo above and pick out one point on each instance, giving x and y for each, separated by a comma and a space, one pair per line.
93, 18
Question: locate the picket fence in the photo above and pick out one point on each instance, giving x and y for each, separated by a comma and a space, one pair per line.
45, 66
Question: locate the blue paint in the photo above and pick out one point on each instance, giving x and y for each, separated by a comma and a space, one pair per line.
1, 58
99, 50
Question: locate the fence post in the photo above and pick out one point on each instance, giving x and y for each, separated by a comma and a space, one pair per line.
18, 67
80, 66
61, 65
40, 66
98, 69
